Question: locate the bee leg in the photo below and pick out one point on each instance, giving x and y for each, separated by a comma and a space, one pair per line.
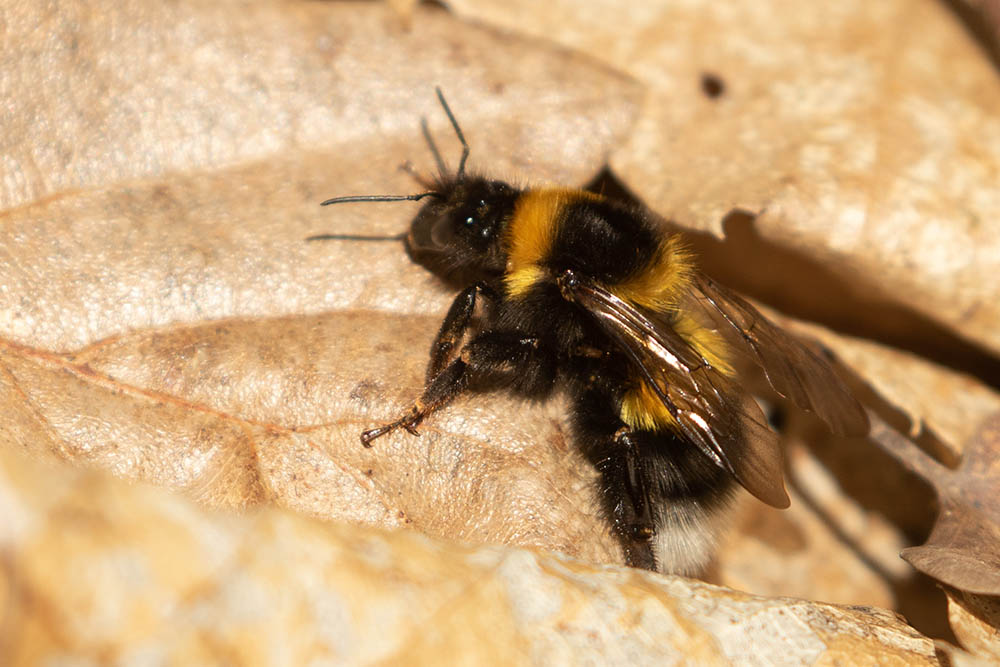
491, 360
627, 481
448, 384
455, 324
633, 513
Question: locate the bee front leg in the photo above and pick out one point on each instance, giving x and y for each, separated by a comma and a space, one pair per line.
491, 360
443, 389
455, 324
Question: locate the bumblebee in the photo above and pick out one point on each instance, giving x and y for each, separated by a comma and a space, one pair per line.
593, 296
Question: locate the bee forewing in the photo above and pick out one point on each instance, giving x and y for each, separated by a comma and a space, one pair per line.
738, 432
793, 369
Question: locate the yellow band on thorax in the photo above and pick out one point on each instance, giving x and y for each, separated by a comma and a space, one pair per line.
531, 231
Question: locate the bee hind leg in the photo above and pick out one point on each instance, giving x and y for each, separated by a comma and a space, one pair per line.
626, 486
627, 492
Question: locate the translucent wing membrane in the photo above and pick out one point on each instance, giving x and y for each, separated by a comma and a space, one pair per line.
792, 368
710, 410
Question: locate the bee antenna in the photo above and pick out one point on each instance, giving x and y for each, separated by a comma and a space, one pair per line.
360, 198
442, 169
355, 198
460, 174
355, 237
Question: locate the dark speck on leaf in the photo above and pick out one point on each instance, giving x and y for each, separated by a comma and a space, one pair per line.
712, 85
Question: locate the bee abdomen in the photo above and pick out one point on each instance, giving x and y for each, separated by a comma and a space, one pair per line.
686, 535
662, 481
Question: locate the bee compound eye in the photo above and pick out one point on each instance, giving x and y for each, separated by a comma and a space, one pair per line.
470, 221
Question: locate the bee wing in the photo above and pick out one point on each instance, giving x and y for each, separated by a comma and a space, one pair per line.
725, 424
794, 370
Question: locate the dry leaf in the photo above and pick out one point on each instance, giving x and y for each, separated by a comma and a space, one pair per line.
233, 172
240, 412
976, 621
187, 86
775, 552
963, 550
97, 570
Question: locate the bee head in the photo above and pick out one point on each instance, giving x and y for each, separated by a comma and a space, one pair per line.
458, 231
460, 228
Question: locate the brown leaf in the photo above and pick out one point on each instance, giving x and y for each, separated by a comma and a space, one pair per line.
982, 17
963, 550
241, 412
794, 552
976, 622
237, 136
101, 571
190, 86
